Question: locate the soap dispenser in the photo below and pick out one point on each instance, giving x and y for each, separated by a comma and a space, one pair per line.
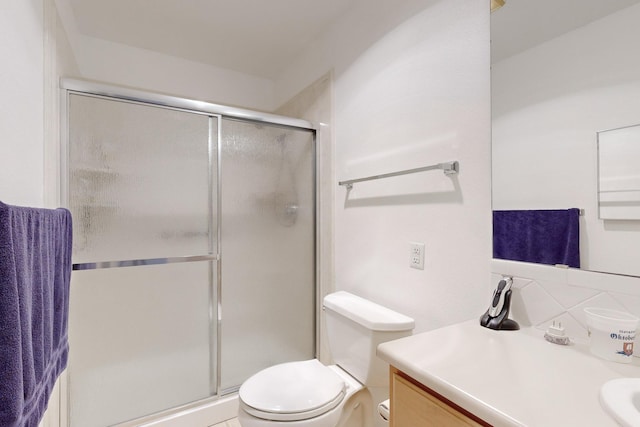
497, 316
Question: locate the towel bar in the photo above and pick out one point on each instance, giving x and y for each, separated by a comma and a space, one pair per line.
449, 168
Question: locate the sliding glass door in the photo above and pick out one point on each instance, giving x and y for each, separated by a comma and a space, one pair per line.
268, 248
194, 254
141, 312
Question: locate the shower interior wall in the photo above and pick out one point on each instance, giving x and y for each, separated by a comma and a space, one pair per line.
315, 104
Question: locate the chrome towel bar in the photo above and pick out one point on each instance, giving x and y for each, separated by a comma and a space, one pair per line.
449, 168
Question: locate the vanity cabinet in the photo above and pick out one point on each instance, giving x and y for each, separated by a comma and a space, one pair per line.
414, 405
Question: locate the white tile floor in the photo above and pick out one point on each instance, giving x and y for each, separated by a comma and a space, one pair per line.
230, 423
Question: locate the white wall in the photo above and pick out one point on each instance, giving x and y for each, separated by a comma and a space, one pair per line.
411, 89
548, 103
35, 52
22, 105
118, 64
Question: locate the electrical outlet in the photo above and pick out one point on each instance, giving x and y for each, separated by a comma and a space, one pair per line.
416, 255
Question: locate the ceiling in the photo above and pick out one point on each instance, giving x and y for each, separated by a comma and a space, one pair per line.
522, 24
260, 37
256, 37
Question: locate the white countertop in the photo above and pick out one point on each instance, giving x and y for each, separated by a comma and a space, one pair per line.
509, 378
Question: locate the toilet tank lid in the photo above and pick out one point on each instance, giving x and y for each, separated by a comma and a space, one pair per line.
368, 314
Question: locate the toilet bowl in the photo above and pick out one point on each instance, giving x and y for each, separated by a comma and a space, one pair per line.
310, 394
305, 393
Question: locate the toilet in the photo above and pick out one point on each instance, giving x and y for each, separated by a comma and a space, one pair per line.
309, 394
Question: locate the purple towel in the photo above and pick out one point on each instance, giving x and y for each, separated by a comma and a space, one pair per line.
540, 236
35, 269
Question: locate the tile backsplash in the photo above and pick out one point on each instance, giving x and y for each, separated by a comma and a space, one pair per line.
543, 294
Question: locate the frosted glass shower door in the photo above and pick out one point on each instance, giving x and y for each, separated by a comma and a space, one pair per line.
141, 191
267, 248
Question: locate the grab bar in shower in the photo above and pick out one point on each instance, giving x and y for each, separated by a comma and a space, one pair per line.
139, 262
449, 168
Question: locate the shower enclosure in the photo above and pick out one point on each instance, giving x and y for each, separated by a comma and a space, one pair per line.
194, 250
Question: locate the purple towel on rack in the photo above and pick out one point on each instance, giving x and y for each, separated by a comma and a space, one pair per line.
540, 236
35, 269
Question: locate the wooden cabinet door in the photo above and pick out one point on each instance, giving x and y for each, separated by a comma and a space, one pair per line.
412, 406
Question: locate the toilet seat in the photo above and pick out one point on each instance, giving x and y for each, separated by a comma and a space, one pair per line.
292, 391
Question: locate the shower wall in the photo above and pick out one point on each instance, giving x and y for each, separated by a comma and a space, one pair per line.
151, 326
314, 103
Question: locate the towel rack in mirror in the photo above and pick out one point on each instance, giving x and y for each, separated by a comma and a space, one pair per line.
449, 168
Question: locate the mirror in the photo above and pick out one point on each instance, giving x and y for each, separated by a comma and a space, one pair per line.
619, 173
563, 73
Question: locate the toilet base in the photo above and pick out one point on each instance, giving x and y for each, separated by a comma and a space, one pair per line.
329, 419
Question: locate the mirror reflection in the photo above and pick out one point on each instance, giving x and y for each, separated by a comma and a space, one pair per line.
619, 173
563, 71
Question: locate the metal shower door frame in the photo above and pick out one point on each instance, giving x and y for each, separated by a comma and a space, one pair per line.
216, 113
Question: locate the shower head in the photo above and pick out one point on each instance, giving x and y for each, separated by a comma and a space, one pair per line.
281, 138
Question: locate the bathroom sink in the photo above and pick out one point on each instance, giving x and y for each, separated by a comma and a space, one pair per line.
621, 399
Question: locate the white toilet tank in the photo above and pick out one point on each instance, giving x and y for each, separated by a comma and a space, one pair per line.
355, 327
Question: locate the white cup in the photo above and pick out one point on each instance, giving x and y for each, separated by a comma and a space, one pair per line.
611, 333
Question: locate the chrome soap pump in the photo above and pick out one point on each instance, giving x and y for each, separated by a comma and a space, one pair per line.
497, 316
